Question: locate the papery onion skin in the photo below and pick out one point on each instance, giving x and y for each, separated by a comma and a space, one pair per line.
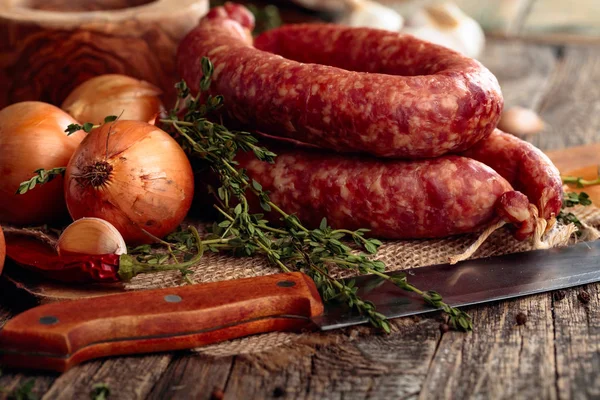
114, 94
149, 185
2, 250
32, 136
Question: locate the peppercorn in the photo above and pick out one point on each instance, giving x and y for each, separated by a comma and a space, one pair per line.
558, 295
521, 318
217, 394
584, 297
444, 328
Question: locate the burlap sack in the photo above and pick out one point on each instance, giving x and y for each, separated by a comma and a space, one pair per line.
397, 255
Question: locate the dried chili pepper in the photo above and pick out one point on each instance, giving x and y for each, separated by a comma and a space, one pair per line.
28, 251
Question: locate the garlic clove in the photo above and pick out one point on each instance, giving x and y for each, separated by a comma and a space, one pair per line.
369, 14
447, 25
520, 121
91, 236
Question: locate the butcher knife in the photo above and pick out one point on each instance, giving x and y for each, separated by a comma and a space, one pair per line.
60, 335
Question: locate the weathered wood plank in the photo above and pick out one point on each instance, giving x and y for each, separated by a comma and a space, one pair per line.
580, 18
500, 359
577, 341
525, 80
505, 17
373, 366
128, 377
571, 107
192, 376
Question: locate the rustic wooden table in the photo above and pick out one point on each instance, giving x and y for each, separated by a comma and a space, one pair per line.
555, 355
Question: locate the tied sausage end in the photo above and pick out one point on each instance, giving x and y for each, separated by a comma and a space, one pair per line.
530, 172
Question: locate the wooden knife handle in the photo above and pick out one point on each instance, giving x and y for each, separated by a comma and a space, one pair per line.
60, 335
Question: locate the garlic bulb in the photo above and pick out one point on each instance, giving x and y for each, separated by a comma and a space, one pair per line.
113, 94
445, 24
370, 14
93, 236
520, 121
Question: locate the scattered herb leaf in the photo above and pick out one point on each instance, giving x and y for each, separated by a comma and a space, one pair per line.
100, 391
572, 199
42, 176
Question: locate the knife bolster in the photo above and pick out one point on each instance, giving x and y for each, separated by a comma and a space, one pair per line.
60, 335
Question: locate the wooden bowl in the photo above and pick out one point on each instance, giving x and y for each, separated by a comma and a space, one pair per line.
48, 47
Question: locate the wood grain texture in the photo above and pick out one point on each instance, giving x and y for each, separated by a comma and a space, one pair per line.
46, 54
58, 336
127, 378
361, 364
571, 108
575, 157
192, 376
577, 344
524, 82
505, 17
499, 359
558, 16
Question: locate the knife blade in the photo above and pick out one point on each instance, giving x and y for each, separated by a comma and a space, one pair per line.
60, 335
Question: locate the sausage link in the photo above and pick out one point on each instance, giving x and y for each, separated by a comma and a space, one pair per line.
365, 90
527, 169
394, 199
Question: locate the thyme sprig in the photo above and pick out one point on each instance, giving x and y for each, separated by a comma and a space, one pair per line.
291, 246
571, 200
88, 126
41, 176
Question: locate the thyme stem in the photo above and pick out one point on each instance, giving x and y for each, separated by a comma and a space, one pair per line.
579, 181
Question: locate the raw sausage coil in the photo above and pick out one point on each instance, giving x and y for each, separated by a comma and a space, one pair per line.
394, 199
346, 89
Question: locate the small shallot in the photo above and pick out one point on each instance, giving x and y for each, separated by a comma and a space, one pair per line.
113, 94
93, 236
520, 121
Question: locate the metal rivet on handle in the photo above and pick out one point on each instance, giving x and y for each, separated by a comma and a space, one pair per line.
286, 283
172, 298
48, 320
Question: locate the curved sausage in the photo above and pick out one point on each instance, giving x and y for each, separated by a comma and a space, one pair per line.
527, 169
394, 199
387, 94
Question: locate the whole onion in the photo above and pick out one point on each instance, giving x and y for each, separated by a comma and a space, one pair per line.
133, 175
113, 94
32, 136
2, 250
